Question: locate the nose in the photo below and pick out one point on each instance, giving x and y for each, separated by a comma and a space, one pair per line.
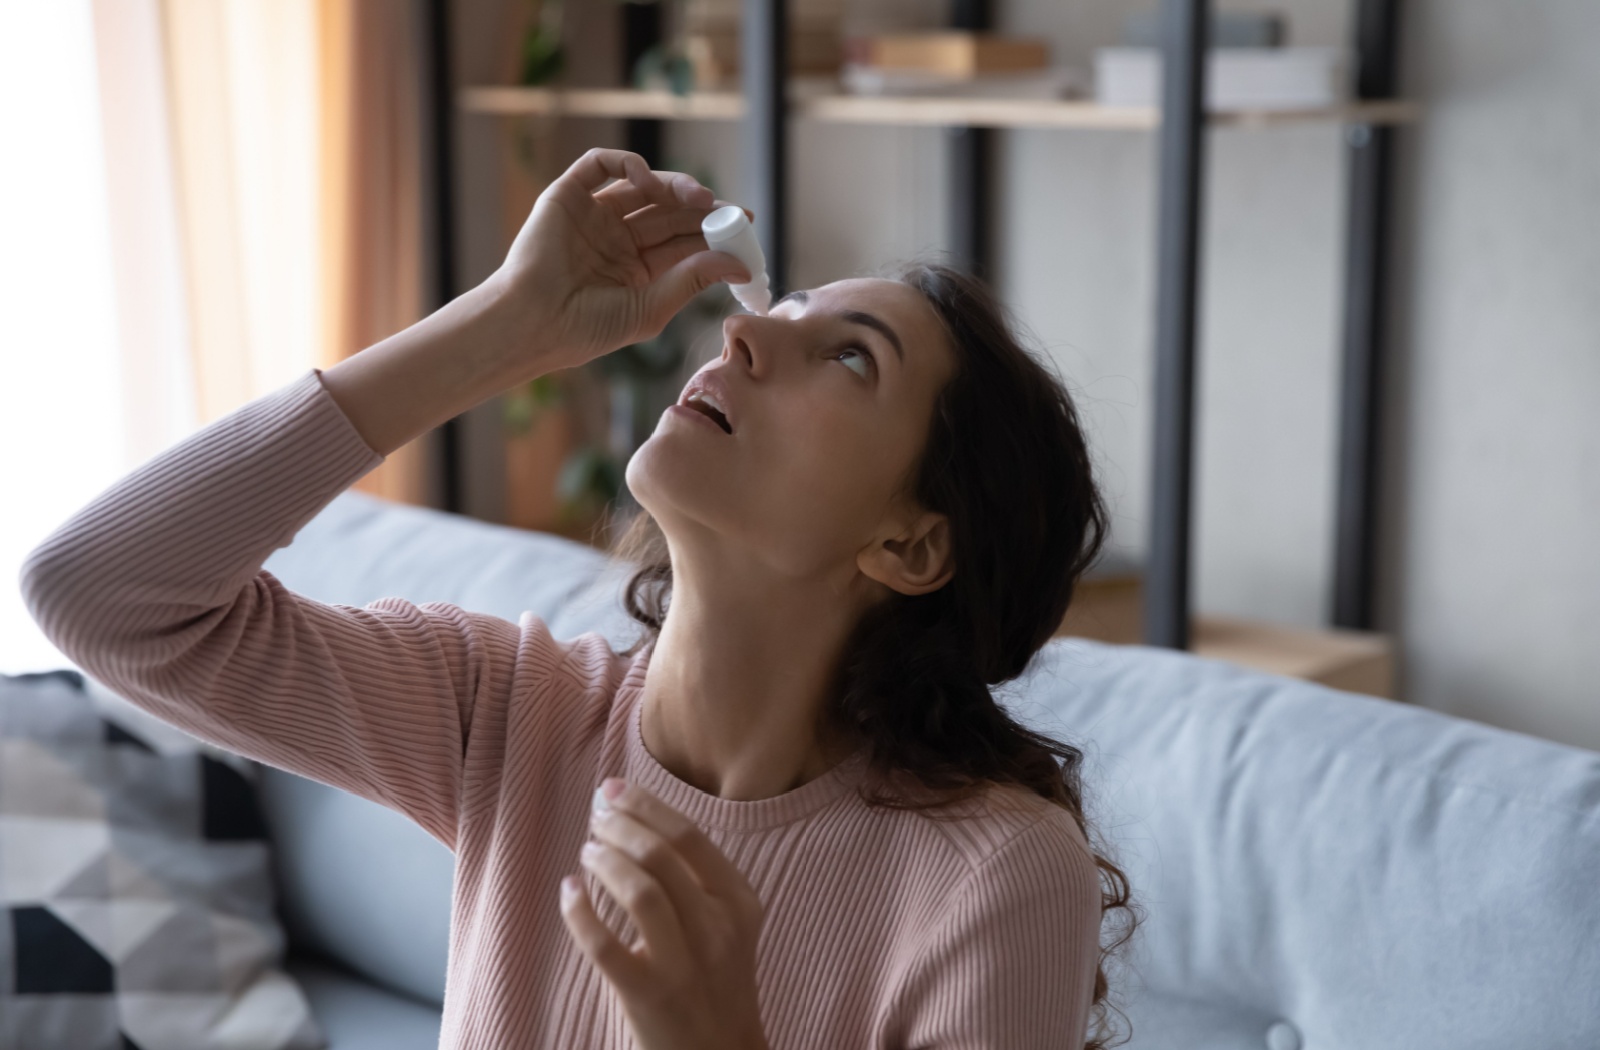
748, 340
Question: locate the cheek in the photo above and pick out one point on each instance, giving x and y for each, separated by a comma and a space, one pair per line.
833, 467
807, 490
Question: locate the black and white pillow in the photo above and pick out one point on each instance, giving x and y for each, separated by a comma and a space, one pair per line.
135, 882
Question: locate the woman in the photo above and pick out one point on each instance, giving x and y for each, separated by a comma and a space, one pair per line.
813, 826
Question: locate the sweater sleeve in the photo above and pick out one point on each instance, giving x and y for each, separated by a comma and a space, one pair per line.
1011, 964
156, 589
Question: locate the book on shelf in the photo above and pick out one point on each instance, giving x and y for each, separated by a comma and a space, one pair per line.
952, 53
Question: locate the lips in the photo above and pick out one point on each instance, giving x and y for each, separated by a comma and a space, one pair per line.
708, 395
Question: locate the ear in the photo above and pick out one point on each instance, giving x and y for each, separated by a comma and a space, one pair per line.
917, 561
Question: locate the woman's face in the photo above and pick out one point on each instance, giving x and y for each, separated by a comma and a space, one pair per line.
827, 404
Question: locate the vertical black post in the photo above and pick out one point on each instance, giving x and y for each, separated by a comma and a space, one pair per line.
1186, 25
1370, 149
764, 55
641, 31
971, 160
441, 120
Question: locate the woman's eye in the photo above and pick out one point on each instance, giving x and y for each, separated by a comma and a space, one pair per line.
858, 361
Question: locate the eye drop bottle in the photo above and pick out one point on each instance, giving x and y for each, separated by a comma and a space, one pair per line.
728, 230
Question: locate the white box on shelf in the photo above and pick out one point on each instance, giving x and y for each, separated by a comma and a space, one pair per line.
1236, 78
1056, 82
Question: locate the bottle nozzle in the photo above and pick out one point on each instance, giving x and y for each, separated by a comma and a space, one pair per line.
728, 229
755, 296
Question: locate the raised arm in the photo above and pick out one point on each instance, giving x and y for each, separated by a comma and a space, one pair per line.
156, 587
595, 267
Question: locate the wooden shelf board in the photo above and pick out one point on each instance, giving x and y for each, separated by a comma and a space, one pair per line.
860, 109
602, 102
1108, 610
1357, 661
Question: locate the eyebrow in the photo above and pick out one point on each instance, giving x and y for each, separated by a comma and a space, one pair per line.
854, 317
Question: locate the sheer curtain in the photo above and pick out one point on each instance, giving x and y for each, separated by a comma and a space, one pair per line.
300, 168
300, 158
65, 431
205, 198
242, 81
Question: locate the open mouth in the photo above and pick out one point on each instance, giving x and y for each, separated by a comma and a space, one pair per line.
707, 405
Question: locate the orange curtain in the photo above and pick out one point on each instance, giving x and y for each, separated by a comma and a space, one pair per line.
370, 54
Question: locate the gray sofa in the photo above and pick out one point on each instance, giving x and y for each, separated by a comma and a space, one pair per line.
1317, 869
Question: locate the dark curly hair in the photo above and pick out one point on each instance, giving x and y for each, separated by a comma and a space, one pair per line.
1007, 463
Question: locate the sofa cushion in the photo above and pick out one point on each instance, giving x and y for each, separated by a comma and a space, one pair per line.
135, 882
1164, 1021
367, 886
360, 549
1369, 873
356, 1015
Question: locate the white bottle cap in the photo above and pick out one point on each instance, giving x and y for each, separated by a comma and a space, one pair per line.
728, 230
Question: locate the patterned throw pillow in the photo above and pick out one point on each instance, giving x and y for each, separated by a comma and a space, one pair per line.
135, 884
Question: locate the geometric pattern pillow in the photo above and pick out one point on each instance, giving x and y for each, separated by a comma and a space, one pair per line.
136, 902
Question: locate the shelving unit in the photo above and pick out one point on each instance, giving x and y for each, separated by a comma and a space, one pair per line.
768, 101
625, 103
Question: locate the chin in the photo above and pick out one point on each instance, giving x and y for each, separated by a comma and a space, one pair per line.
692, 500
672, 487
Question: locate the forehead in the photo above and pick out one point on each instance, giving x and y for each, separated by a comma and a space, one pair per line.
897, 304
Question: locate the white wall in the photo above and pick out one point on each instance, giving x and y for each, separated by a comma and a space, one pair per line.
1497, 471
1494, 574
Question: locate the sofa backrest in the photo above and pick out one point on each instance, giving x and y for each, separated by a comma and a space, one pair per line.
1339, 871
1357, 873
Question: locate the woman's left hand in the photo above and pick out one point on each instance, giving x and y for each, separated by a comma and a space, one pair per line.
690, 982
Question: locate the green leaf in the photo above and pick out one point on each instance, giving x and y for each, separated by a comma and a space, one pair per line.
543, 57
523, 406
590, 478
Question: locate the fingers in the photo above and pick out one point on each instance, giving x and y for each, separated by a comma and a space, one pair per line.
622, 197
710, 866
640, 869
655, 855
663, 257
687, 278
622, 967
645, 900
626, 198
653, 225
596, 167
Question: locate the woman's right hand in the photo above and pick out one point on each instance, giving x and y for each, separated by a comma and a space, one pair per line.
599, 266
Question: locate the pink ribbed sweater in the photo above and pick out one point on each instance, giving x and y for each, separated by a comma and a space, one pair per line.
884, 929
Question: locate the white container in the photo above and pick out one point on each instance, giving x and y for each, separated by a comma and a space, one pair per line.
1058, 82
1236, 78
728, 230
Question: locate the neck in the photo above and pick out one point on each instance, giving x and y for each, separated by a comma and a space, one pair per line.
738, 684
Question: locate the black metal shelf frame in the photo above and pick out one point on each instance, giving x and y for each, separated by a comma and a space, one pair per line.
1179, 196
1181, 171
1167, 614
